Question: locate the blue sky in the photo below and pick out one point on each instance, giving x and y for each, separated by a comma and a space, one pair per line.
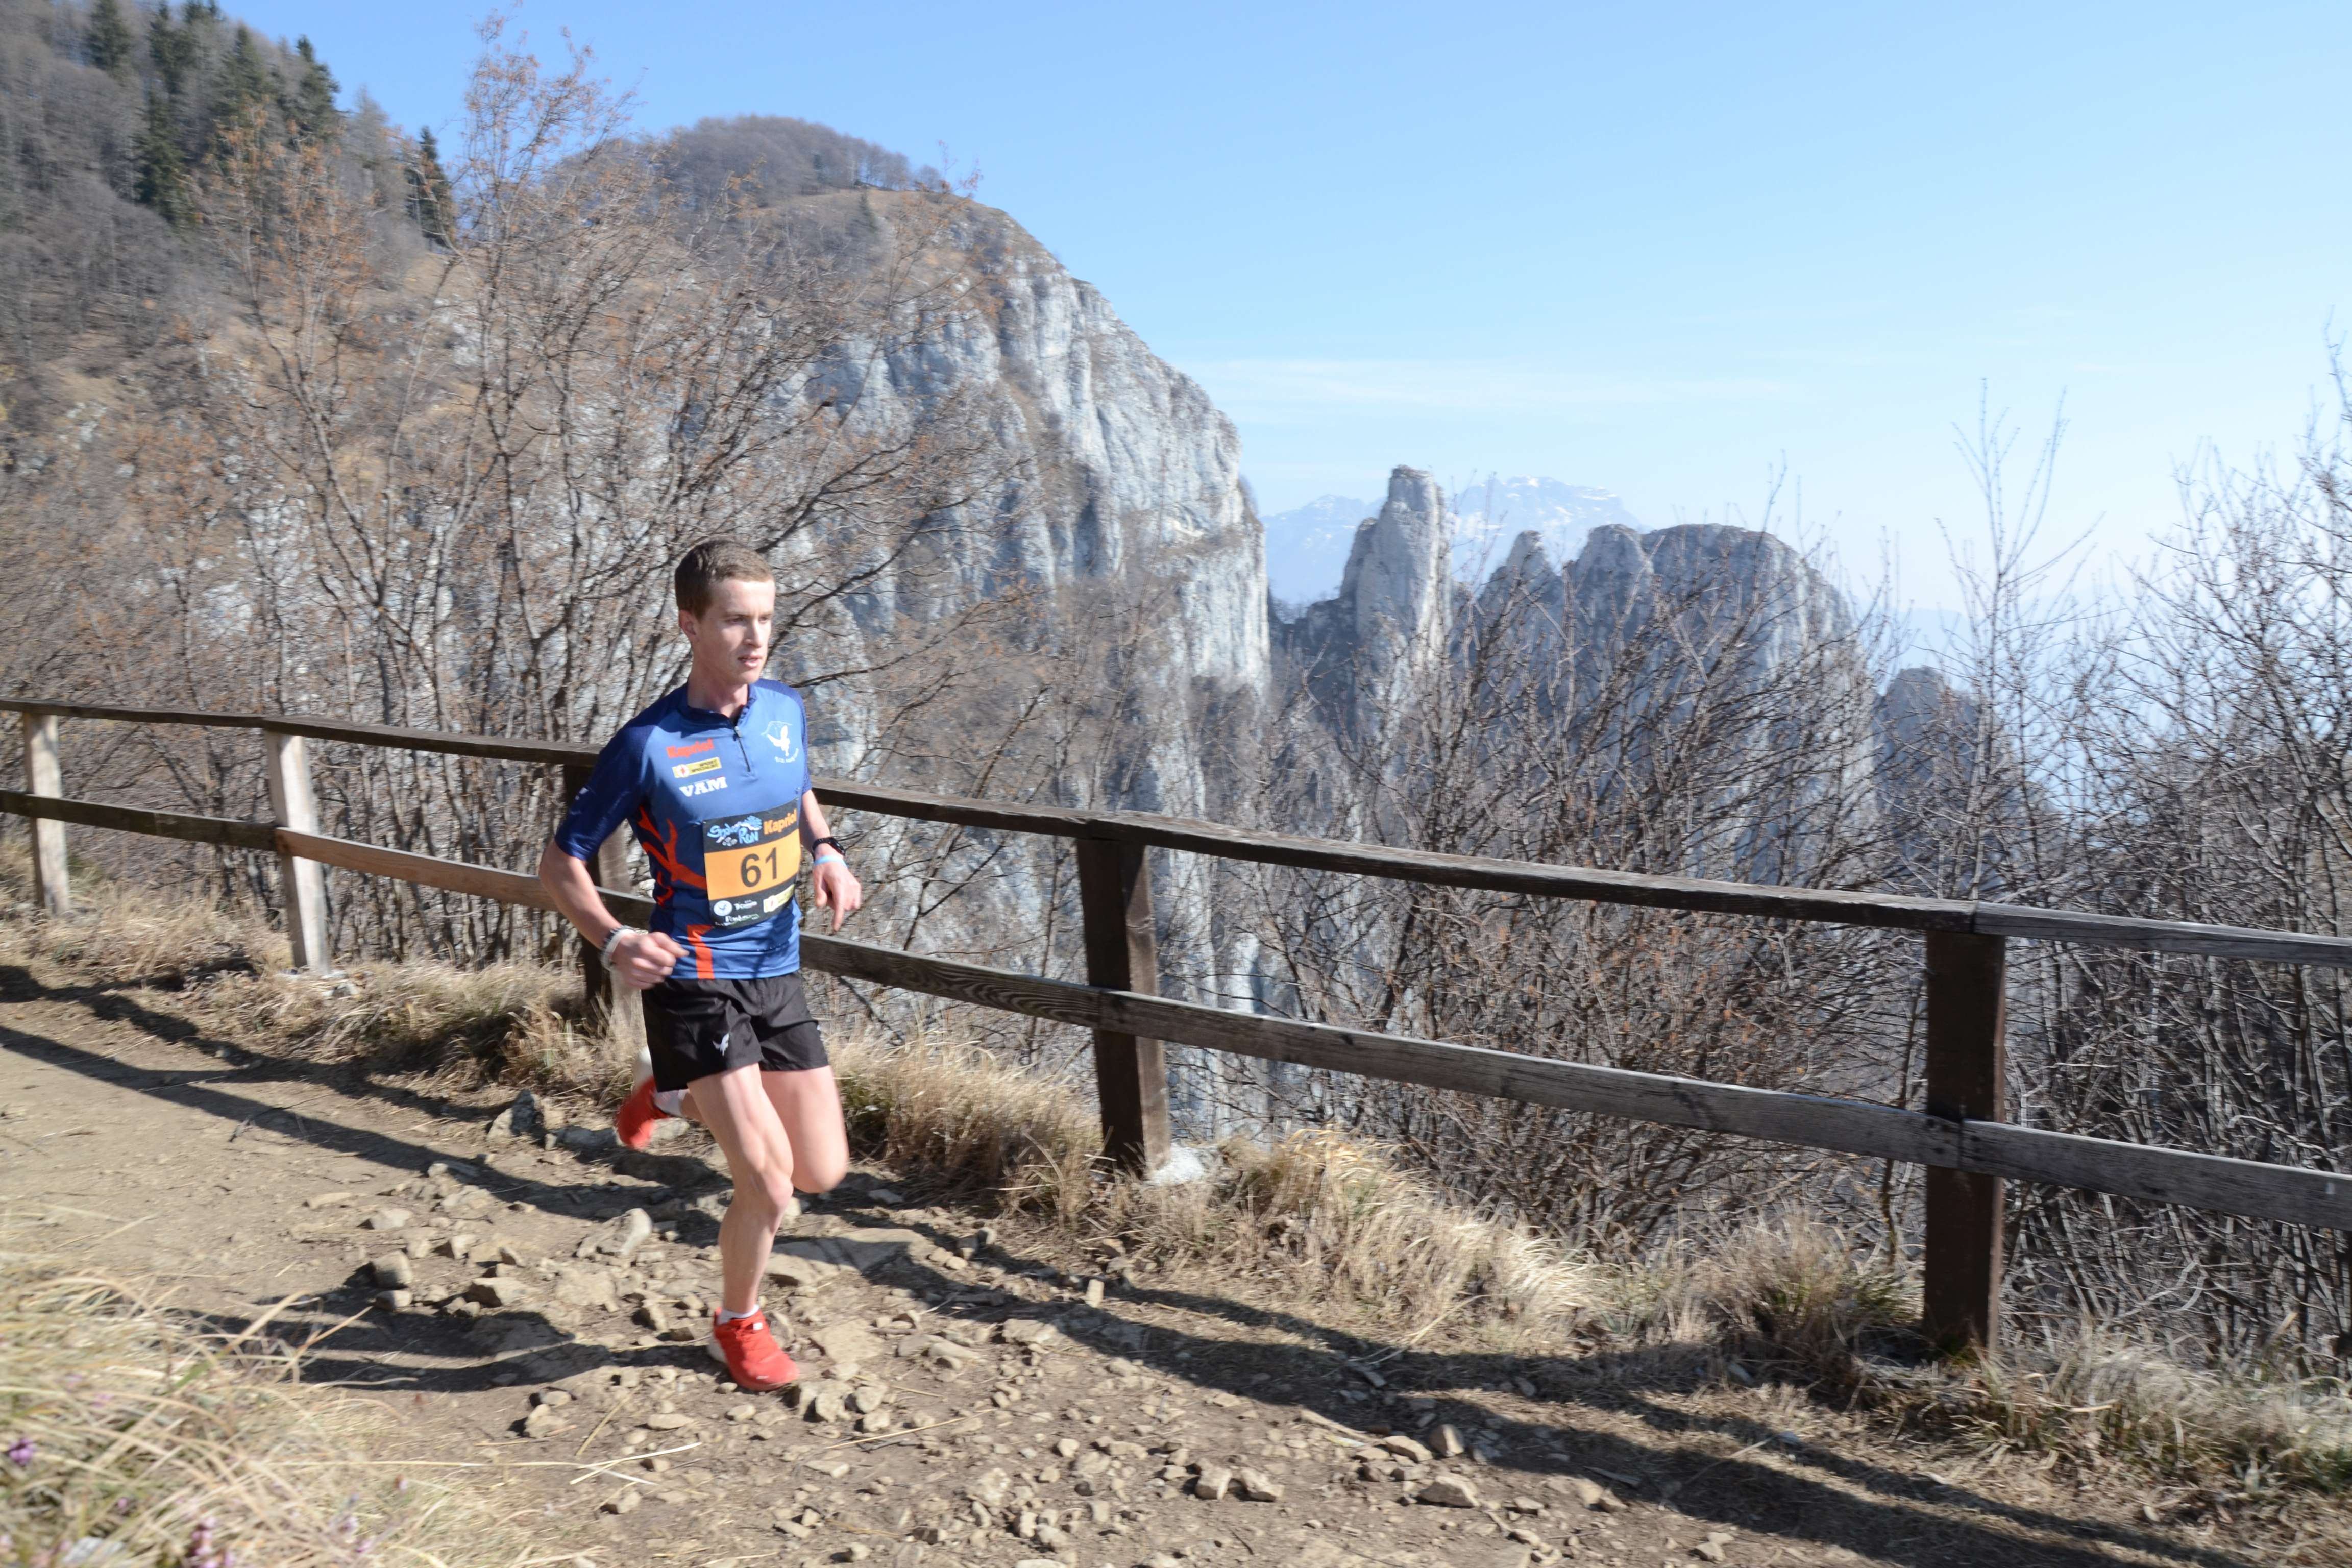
1659, 249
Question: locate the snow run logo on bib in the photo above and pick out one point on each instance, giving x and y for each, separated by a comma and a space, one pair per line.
779, 735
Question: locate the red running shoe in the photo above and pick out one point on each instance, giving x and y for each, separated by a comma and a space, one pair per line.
754, 1360
633, 1125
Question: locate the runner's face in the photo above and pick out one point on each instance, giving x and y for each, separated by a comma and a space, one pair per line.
730, 639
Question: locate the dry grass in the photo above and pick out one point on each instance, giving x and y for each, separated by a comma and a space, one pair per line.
126, 1437
1315, 1224
504, 1023
1316, 1217
129, 935
1314, 1214
1784, 1296
2231, 1435
1790, 1301
957, 1112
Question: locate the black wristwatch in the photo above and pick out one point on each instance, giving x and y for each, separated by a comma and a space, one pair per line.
817, 844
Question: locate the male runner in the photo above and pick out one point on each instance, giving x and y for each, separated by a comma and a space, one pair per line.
715, 779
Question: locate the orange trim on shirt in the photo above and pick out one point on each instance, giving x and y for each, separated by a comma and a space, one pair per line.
660, 842
702, 970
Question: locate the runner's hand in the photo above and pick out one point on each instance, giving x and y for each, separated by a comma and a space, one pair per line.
644, 958
832, 886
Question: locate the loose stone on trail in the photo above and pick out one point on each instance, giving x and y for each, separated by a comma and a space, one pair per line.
630, 1232
501, 1293
1257, 1486
847, 1341
519, 1120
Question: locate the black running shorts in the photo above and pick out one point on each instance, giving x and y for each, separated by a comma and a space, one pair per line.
699, 1028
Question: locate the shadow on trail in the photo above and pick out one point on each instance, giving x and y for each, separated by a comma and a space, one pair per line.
209, 1091
1794, 1501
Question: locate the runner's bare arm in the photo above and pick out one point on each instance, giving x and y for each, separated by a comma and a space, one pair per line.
640, 959
832, 885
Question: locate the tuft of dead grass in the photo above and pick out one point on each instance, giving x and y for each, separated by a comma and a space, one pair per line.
1319, 1217
2231, 1436
503, 1022
126, 1436
500, 1023
958, 1112
132, 935
1789, 1299
1784, 1293
1313, 1213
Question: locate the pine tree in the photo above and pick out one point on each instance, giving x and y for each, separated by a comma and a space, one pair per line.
431, 201
162, 177
313, 108
173, 51
244, 78
108, 39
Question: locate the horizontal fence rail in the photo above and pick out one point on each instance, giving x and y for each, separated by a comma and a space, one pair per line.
1826, 906
1962, 1138
1814, 1121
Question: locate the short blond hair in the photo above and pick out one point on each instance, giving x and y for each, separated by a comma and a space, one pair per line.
711, 563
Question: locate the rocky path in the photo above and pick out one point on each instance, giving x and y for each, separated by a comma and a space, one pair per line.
530, 1311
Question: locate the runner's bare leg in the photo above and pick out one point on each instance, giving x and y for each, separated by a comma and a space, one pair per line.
808, 1102
735, 1107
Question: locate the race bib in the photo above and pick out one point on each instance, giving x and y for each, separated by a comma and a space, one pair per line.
749, 863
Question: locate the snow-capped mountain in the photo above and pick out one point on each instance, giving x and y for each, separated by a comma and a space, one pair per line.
1307, 547
1487, 517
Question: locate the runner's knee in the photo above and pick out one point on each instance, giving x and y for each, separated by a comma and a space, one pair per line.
821, 1174
768, 1186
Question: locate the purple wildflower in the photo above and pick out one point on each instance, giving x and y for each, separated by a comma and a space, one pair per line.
201, 1550
21, 1452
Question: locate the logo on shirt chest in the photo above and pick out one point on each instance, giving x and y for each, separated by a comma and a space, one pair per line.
779, 735
702, 786
687, 770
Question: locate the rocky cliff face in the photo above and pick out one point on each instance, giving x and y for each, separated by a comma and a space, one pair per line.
1386, 629
1687, 639
1118, 487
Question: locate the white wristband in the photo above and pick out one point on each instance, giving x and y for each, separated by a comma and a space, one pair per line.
618, 932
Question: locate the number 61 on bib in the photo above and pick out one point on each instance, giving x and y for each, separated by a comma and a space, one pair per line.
749, 863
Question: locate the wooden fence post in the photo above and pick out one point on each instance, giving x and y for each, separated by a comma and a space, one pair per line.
1967, 1063
303, 882
1123, 954
617, 1009
44, 776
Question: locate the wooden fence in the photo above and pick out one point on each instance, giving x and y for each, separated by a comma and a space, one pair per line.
1962, 1138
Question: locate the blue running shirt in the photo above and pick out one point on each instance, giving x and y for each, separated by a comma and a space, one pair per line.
716, 803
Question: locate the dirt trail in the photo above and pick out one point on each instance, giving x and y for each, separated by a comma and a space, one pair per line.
956, 1411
